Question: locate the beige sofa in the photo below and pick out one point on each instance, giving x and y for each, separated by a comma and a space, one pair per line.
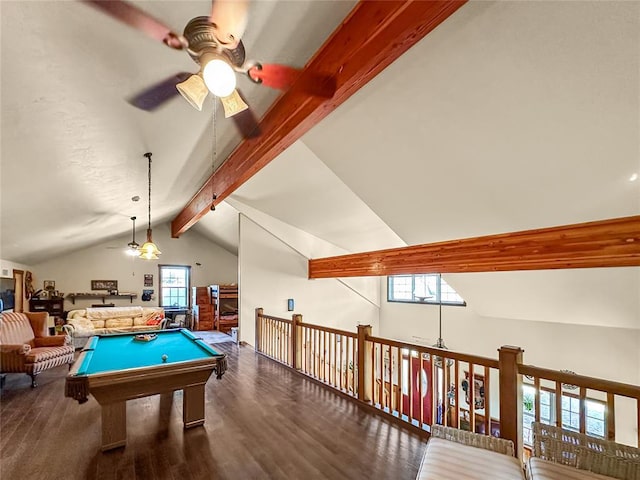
82, 324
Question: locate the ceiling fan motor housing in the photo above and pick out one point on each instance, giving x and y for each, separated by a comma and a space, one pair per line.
200, 35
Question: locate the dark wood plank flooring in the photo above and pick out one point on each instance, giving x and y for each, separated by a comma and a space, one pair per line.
263, 421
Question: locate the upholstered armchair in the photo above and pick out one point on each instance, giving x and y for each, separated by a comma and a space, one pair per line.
26, 347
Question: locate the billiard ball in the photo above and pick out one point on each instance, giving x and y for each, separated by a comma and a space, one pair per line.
165, 357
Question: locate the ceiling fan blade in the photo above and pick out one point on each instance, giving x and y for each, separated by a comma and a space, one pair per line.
282, 77
245, 120
230, 20
154, 96
136, 18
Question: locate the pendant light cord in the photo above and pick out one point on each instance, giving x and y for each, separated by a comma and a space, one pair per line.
148, 155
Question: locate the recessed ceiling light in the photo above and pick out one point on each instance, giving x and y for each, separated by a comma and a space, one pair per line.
633, 177
135, 198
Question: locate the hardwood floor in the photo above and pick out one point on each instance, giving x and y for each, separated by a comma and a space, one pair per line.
263, 421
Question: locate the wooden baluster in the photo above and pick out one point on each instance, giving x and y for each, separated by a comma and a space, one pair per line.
472, 396
335, 360
558, 404
267, 334
381, 370
487, 402
342, 367
399, 385
536, 385
373, 372
610, 417
411, 386
446, 381
391, 396
583, 410
258, 340
421, 388
365, 368
355, 356
303, 357
638, 418
434, 389
309, 351
327, 358
316, 353
456, 408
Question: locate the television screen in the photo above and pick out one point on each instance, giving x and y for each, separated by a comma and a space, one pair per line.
7, 293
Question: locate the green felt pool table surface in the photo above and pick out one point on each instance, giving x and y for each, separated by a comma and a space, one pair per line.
121, 351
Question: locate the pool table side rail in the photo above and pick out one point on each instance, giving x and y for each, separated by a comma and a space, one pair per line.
79, 385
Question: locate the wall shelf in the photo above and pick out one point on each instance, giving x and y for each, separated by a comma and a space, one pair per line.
102, 296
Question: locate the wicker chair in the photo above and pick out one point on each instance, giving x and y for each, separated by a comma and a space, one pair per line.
576, 450
26, 347
453, 454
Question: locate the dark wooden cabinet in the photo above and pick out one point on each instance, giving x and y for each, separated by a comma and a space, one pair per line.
225, 306
55, 306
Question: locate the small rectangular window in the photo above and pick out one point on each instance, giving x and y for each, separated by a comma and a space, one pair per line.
174, 286
422, 288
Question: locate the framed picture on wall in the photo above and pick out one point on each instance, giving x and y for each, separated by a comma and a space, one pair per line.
104, 285
148, 279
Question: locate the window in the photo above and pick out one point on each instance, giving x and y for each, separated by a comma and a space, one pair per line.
595, 412
529, 411
422, 288
174, 286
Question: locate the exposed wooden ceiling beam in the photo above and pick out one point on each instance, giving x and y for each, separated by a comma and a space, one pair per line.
606, 243
373, 35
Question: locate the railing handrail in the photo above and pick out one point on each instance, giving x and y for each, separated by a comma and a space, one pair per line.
278, 319
593, 383
345, 333
353, 362
446, 353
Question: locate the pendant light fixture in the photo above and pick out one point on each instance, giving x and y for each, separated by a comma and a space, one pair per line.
149, 251
134, 248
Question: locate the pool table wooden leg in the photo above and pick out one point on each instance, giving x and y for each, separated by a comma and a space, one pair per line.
193, 406
114, 425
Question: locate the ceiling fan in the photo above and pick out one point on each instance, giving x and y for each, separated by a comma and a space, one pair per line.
214, 42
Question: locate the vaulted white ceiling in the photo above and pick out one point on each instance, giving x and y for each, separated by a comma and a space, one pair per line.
509, 116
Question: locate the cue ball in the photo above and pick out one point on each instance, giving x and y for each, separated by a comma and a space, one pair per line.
165, 357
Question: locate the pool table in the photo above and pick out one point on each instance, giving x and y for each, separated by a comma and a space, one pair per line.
116, 368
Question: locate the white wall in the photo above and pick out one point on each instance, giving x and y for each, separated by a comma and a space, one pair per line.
603, 352
272, 270
107, 261
7, 267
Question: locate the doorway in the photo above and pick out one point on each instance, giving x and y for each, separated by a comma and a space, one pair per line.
18, 275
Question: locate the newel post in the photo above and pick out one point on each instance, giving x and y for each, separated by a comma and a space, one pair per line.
511, 396
258, 329
295, 348
365, 369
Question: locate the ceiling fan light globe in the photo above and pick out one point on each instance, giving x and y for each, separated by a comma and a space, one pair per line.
194, 91
219, 77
